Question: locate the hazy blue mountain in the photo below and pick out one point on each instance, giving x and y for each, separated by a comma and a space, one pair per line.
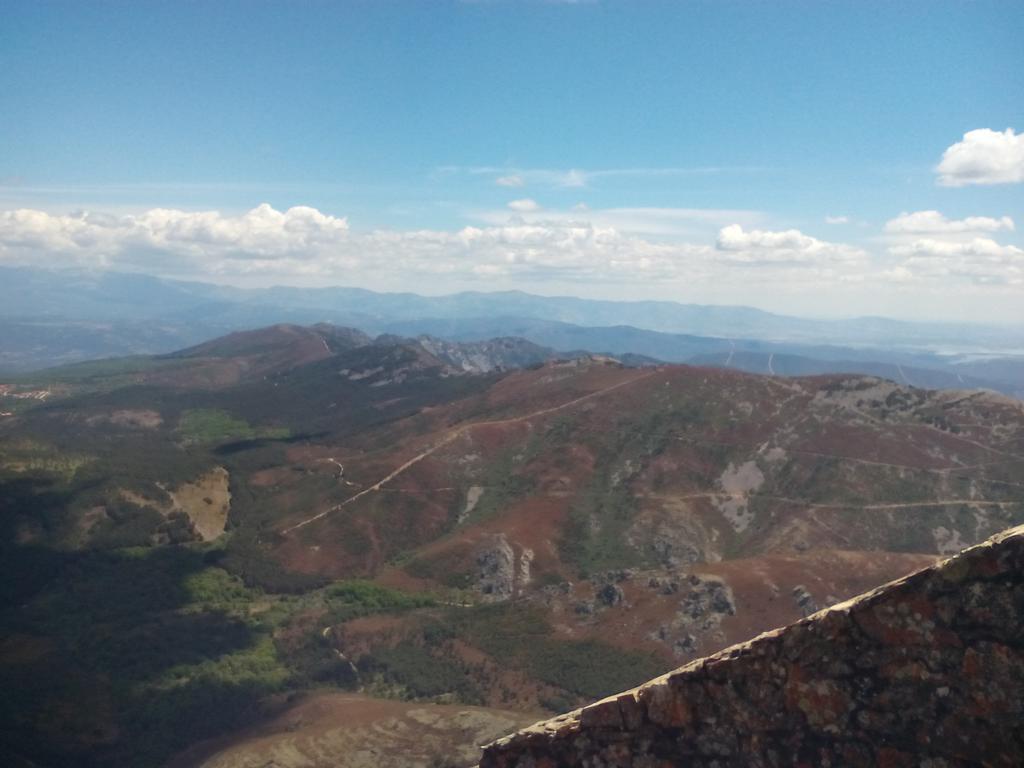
96, 296
922, 369
664, 316
797, 365
54, 317
30, 293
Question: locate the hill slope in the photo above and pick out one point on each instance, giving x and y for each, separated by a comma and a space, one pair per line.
383, 520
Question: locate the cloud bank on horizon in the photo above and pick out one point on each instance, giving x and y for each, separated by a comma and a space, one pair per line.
305, 242
593, 249
602, 248
597, 250
598, 247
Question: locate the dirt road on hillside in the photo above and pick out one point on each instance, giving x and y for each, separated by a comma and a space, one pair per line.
454, 435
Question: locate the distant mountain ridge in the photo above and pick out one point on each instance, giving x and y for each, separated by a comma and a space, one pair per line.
37, 293
277, 350
51, 318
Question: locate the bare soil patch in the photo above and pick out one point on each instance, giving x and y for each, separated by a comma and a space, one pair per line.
334, 730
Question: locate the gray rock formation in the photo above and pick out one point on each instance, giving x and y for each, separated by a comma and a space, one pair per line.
496, 563
804, 600
610, 594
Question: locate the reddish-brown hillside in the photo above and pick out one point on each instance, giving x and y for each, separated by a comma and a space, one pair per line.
673, 509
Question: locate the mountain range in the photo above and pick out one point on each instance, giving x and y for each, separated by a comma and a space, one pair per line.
54, 317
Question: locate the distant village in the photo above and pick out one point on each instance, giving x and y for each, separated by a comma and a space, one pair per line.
9, 390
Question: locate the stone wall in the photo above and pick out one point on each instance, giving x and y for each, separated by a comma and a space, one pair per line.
924, 671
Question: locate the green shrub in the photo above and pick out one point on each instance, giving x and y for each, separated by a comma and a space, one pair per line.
420, 674
245, 557
519, 636
350, 599
212, 425
127, 525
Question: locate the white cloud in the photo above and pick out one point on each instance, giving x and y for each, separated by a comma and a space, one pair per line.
573, 178
934, 223
579, 177
549, 248
306, 243
952, 252
526, 205
790, 246
983, 156
98, 239
660, 222
897, 275
979, 260
529, 250
837, 219
520, 177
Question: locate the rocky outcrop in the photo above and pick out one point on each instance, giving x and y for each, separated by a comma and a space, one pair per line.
924, 671
706, 601
804, 600
496, 577
484, 356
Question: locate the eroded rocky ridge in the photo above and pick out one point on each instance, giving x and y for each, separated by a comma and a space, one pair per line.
924, 671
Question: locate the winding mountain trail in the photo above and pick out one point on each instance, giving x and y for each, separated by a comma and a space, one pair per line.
1010, 457
933, 428
825, 505
457, 432
454, 435
720, 496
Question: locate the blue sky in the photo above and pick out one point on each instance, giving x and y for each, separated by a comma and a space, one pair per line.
600, 148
